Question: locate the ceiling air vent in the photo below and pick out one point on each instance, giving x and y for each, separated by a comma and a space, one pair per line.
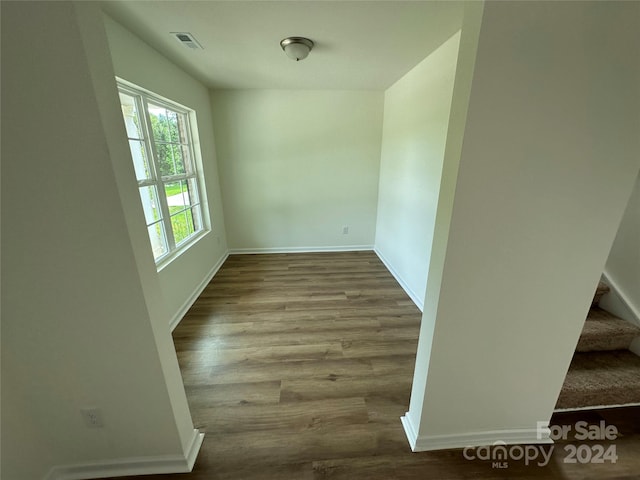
186, 39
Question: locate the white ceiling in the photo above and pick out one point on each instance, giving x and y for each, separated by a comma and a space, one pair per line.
359, 44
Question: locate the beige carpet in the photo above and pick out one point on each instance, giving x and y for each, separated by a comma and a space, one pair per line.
605, 378
603, 331
603, 371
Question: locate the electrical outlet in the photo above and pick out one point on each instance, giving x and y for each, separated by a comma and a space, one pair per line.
345, 230
92, 417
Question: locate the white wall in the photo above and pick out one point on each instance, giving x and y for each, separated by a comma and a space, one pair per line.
77, 328
136, 62
623, 265
416, 116
297, 166
549, 156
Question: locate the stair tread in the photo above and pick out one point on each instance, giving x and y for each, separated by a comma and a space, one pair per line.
604, 331
601, 378
602, 288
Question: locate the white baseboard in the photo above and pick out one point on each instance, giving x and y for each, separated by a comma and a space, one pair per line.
412, 435
343, 248
473, 439
194, 448
412, 295
621, 305
196, 293
130, 466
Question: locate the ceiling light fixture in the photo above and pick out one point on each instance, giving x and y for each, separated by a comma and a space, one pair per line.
296, 48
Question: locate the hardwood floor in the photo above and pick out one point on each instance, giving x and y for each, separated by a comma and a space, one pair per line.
299, 366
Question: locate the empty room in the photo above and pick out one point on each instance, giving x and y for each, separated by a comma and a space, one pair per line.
268, 240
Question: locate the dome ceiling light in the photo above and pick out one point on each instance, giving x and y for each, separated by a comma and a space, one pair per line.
296, 48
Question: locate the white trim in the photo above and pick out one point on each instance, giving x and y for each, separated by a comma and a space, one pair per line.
130, 466
142, 97
412, 295
474, 439
196, 293
341, 248
626, 301
596, 407
194, 448
175, 254
409, 431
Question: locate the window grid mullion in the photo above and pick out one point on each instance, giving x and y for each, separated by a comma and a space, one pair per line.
177, 178
146, 132
155, 222
162, 197
187, 207
171, 143
146, 183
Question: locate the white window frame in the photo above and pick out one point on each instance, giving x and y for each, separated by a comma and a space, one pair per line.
193, 169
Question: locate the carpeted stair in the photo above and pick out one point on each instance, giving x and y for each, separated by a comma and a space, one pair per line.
603, 370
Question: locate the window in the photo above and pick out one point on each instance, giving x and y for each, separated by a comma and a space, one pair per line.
159, 133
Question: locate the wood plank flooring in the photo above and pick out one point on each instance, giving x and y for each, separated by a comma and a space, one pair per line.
299, 366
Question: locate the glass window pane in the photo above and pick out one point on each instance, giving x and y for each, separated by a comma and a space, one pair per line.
140, 159
159, 125
186, 197
150, 204
187, 161
183, 128
130, 115
192, 189
167, 129
165, 159
158, 239
164, 124
178, 162
182, 225
170, 159
172, 123
177, 198
197, 219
